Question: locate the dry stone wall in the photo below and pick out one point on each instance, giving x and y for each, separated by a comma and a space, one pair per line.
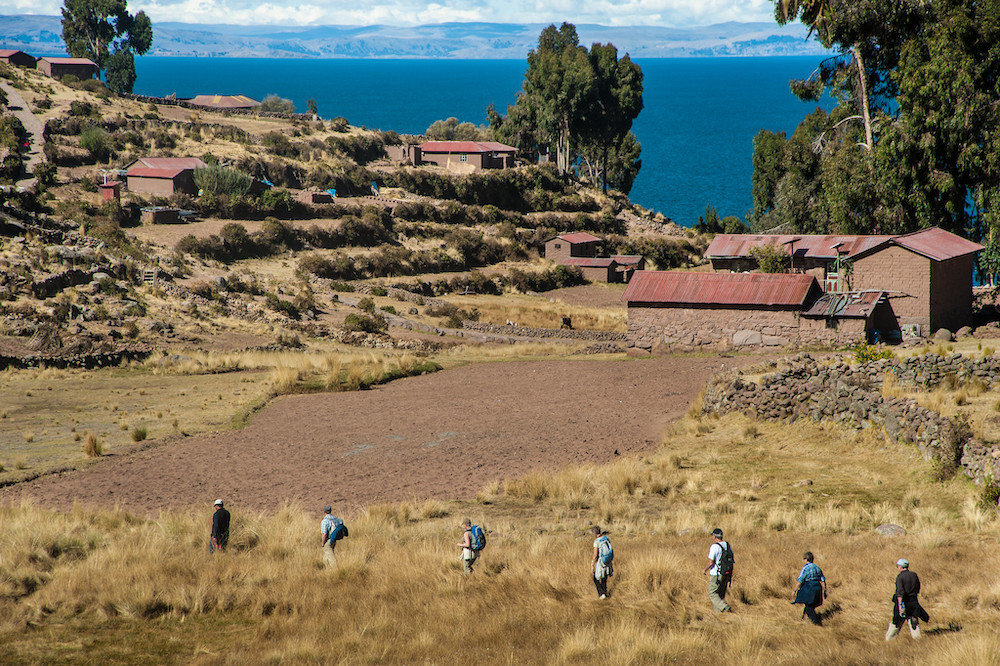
852, 396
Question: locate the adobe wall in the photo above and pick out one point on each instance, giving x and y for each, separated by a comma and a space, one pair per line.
557, 250
663, 329
951, 293
160, 186
896, 269
598, 273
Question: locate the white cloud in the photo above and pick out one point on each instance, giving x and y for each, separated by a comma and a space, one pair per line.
679, 13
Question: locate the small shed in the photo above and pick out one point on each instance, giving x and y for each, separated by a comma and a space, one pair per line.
859, 314
164, 176
111, 190
595, 269
627, 265
160, 215
17, 58
81, 68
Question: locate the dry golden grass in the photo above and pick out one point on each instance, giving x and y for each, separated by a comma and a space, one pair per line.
397, 594
542, 312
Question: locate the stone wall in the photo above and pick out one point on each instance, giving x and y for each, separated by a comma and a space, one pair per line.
664, 329
852, 396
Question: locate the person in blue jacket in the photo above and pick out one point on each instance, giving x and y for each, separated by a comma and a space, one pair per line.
810, 588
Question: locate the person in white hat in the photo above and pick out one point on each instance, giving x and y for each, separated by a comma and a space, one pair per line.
905, 605
331, 529
220, 527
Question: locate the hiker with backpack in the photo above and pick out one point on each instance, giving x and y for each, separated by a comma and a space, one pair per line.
332, 530
720, 571
810, 589
602, 563
473, 541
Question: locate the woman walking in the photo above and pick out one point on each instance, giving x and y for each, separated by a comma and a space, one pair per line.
810, 588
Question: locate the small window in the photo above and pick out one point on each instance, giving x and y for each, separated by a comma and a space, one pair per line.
463, 158
558, 246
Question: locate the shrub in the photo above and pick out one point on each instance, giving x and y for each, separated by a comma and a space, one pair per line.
274, 104
138, 434
374, 323
81, 109
91, 447
379, 291
339, 124
216, 180
96, 141
281, 305
864, 352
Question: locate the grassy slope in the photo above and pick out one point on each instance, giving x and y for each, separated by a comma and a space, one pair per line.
103, 579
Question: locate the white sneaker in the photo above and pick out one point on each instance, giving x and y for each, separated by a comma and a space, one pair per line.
892, 632
604, 596
915, 631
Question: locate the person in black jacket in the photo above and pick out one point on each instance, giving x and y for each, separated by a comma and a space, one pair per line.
220, 527
905, 605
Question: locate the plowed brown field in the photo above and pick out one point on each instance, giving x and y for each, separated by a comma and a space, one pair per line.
438, 436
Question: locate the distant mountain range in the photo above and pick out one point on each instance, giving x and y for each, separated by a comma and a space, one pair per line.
40, 35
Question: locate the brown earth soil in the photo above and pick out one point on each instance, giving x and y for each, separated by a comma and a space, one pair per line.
440, 436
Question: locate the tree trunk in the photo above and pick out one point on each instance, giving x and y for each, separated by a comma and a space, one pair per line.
865, 112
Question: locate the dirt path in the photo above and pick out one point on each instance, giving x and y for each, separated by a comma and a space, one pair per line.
32, 125
438, 436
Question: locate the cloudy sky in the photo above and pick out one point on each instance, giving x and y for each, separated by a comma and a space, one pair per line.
671, 13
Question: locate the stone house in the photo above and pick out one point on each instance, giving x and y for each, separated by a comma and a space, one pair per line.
163, 176
81, 68
927, 276
222, 101
578, 244
674, 309
580, 249
17, 58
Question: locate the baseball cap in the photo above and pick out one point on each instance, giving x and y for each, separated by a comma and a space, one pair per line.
327, 508
717, 532
902, 563
218, 502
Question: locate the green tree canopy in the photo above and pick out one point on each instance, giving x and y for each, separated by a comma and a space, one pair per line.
105, 32
577, 104
915, 138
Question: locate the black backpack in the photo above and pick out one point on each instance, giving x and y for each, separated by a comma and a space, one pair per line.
726, 560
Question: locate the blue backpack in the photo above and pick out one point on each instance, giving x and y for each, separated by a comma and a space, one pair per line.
478, 539
604, 551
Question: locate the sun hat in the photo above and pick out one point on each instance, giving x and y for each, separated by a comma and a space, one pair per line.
327, 509
218, 502
902, 563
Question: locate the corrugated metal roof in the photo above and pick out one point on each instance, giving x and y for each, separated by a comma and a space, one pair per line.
6, 53
152, 172
937, 244
170, 163
627, 259
578, 237
848, 305
589, 262
223, 101
466, 147
69, 61
732, 289
731, 246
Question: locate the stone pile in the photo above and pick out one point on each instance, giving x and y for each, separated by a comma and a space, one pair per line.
852, 396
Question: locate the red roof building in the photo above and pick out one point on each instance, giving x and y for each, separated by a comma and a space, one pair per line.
17, 58
164, 176
465, 156
81, 68
223, 101
721, 290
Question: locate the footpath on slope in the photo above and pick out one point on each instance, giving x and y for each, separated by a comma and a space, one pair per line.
33, 126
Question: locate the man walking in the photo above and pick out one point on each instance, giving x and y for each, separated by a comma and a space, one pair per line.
905, 605
720, 571
220, 528
329, 528
469, 554
602, 564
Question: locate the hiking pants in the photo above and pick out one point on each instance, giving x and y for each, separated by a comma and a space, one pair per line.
602, 586
329, 559
717, 586
810, 612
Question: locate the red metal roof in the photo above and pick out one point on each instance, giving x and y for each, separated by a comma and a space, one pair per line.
728, 289
849, 305
169, 162
6, 53
466, 147
223, 101
69, 61
627, 259
578, 237
589, 262
728, 246
936, 243
151, 172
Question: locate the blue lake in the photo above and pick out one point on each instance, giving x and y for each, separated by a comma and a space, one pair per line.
696, 130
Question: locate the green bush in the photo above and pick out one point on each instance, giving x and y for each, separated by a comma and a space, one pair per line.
339, 124
864, 352
274, 104
374, 323
215, 180
97, 142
